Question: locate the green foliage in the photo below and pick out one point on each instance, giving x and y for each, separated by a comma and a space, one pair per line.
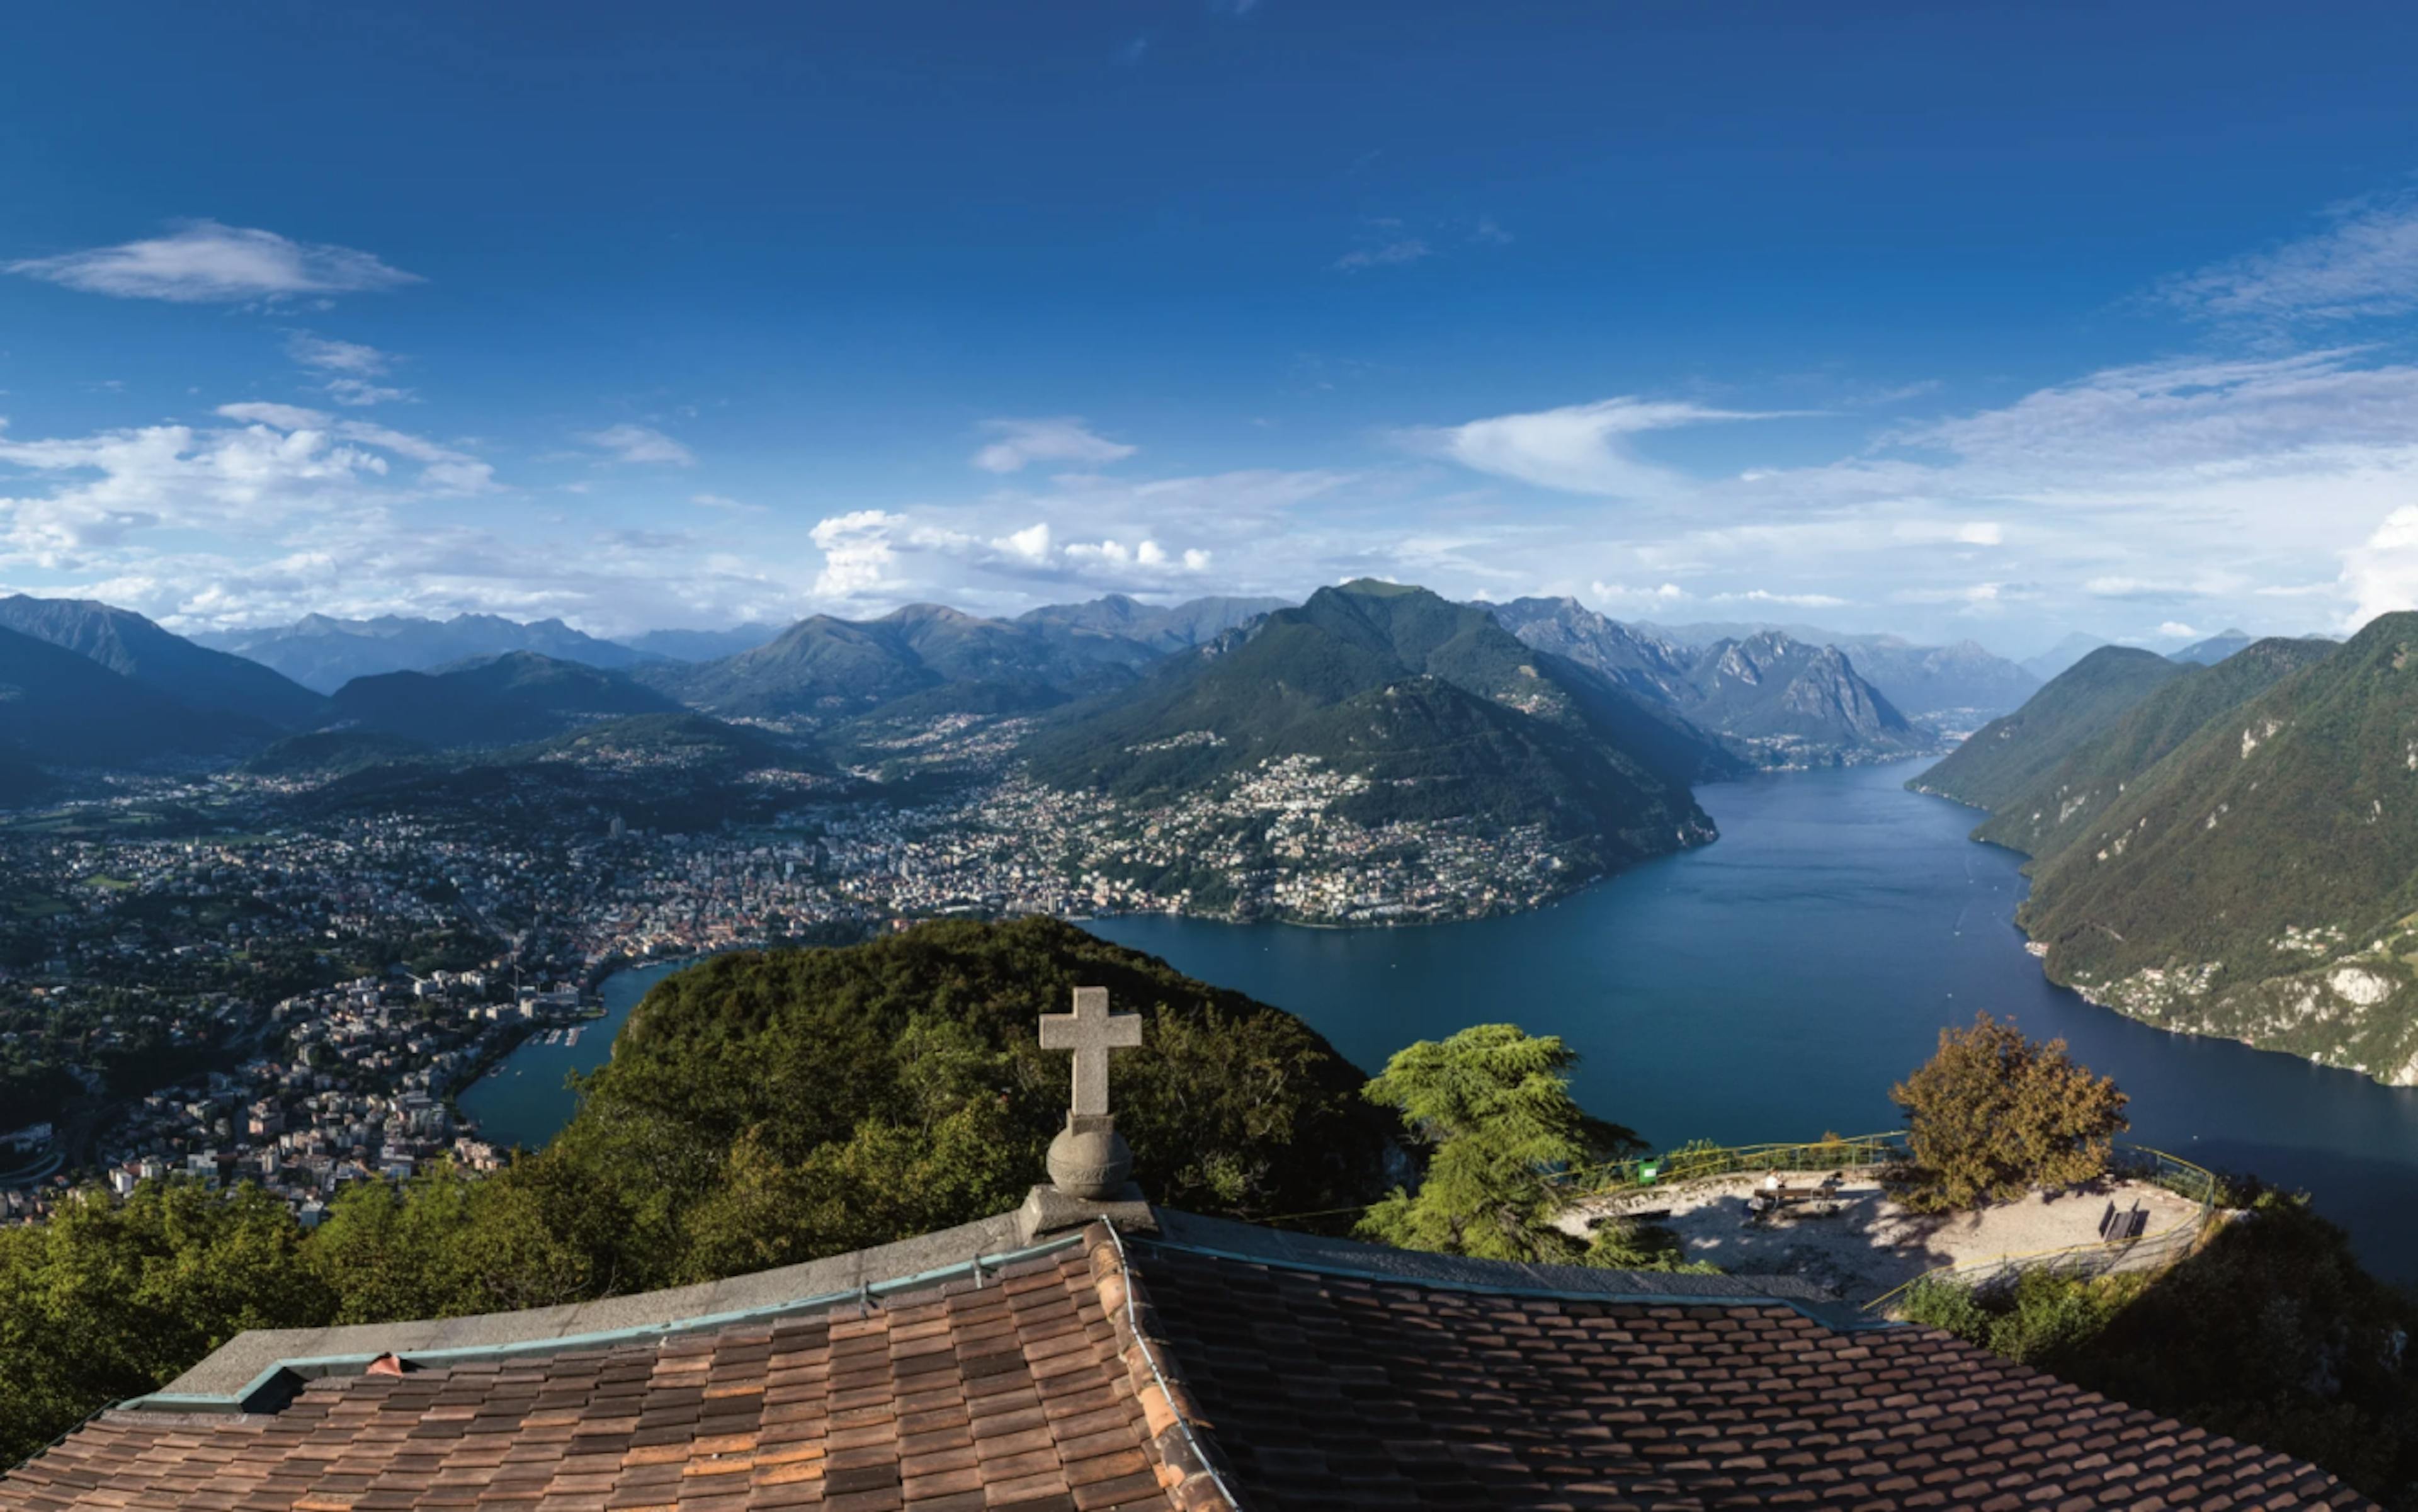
114, 1299
1642, 1247
1993, 1115
1492, 1109
2008, 754
2272, 1333
2063, 804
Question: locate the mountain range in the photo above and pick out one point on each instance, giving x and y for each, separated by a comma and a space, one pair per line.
1436, 711
1921, 681
324, 653
1778, 701
2224, 850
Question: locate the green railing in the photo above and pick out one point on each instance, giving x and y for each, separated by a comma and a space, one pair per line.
1701, 1162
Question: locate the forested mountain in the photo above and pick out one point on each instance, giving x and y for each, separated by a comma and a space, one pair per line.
2063, 803
325, 653
2233, 851
126, 643
499, 701
1170, 628
2004, 757
1441, 712
829, 668
1782, 702
2261, 880
61, 708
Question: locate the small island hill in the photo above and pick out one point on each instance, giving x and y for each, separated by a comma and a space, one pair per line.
1093, 1350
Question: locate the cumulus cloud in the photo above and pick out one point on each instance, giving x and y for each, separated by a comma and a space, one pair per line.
2177, 630
2364, 265
640, 445
1799, 600
857, 552
447, 469
2379, 574
202, 262
1580, 449
1018, 443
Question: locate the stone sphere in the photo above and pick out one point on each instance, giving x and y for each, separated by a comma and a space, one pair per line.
1090, 1160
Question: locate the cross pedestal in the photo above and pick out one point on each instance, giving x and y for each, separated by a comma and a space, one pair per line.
1089, 1161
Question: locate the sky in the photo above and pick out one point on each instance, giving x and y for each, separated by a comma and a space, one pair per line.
1986, 321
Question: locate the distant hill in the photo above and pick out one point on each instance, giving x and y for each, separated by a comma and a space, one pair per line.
2261, 880
195, 676
61, 708
1176, 628
1445, 712
1920, 681
673, 740
502, 700
2005, 758
2215, 649
828, 668
2072, 648
325, 653
335, 752
701, 644
1783, 702
2064, 802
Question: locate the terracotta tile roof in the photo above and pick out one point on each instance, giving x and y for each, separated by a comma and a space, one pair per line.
1324, 1390
1016, 1394
1194, 1371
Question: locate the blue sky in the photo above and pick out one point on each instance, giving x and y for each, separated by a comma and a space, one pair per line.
1989, 320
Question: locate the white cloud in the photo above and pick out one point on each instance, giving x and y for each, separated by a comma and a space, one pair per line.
2364, 265
330, 356
719, 501
2177, 630
1062, 438
1031, 545
640, 444
204, 262
2380, 574
1621, 593
857, 554
1388, 254
1581, 449
448, 470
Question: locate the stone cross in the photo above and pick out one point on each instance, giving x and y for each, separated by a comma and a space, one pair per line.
1090, 1031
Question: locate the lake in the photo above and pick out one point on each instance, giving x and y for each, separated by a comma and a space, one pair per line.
1769, 986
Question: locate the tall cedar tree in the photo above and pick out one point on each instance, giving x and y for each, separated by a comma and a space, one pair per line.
1994, 1115
1493, 1104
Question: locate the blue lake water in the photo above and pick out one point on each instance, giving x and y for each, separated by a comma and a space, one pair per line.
523, 1100
1769, 986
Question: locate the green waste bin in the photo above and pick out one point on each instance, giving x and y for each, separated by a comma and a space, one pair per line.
1648, 1170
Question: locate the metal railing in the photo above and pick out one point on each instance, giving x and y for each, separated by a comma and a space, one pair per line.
2153, 1250
1702, 1161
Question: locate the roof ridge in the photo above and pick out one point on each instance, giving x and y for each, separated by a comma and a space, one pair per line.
1189, 1466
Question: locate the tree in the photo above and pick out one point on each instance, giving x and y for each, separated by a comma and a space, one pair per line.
1994, 1115
1492, 1107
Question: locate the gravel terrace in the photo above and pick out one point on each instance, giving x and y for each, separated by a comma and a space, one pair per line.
1872, 1246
